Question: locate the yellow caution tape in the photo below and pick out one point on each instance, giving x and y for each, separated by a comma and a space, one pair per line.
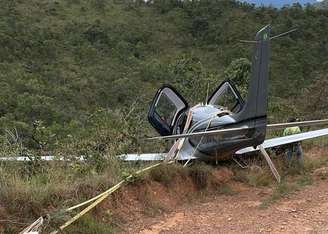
100, 197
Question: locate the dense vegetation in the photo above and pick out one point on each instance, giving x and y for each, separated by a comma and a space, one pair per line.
83, 72
323, 4
77, 78
80, 74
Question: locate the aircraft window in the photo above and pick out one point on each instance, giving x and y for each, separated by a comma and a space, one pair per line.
225, 97
165, 109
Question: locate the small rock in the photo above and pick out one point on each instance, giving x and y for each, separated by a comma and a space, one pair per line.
229, 219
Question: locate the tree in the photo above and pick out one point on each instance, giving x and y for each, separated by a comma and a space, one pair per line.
190, 77
314, 101
239, 72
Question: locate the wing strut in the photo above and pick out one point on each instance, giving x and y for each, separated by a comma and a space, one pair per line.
271, 165
175, 149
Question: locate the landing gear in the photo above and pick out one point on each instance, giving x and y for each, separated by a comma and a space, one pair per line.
271, 165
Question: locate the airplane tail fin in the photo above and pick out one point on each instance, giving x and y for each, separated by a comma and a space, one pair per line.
256, 103
255, 107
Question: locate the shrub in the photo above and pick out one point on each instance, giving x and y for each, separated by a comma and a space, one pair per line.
200, 173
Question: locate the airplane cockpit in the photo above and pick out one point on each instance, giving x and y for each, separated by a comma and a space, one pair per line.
226, 97
168, 110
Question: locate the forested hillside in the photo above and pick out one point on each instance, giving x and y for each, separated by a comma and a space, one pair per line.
323, 4
279, 3
77, 76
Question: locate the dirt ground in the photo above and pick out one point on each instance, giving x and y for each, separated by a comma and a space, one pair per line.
303, 211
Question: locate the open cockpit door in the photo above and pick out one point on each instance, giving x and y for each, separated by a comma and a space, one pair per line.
226, 96
165, 109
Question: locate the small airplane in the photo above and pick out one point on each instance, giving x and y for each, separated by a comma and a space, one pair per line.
226, 125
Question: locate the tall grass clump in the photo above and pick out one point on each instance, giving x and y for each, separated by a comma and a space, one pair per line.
89, 224
201, 175
165, 174
281, 190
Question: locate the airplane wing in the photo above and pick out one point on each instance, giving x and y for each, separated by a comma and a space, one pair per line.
267, 144
125, 157
151, 157
240, 129
142, 157
294, 124
286, 140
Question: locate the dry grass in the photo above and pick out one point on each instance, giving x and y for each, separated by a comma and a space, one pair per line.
255, 175
27, 196
89, 224
225, 189
166, 173
279, 191
201, 175
56, 186
30, 190
295, 177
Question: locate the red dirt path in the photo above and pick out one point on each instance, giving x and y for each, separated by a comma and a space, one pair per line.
304, 211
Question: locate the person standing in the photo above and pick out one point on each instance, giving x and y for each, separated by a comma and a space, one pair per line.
294, 148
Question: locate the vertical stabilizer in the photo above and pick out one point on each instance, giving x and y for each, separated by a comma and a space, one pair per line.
256, 103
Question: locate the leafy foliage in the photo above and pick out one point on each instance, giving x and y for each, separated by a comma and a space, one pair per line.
80, 74
77, 78
239, 71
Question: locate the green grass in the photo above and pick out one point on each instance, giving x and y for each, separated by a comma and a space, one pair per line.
314, 163
281, 190
89, 225
152, 208
165, 174
55, 186
225, 189
255, 176
295, 177
260, 179
304, 180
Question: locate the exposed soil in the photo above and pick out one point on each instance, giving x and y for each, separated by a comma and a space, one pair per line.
305, 211
174, 203
178, 211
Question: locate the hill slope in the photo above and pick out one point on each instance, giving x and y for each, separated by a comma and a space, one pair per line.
323, 4
75, 68
280, 3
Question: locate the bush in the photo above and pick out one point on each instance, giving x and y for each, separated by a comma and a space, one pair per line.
89, 224
201, 174
166, 173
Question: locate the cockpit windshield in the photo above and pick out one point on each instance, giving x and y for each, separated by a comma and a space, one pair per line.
167, 106
226, 97
165, 109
